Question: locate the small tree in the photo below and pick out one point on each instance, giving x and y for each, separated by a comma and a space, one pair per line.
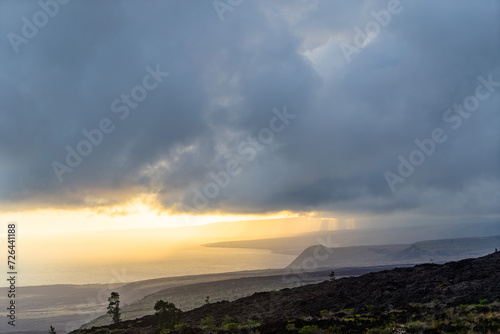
168, 315
114, 307
208, 322
207, 300
332, 276
52, 330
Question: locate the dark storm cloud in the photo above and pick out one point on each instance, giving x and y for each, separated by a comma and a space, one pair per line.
351, 119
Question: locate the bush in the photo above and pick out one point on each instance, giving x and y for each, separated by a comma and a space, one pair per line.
227, 320
232, 326
180, 326
310, 330
371, 308
208, 322
168, 315
251, 323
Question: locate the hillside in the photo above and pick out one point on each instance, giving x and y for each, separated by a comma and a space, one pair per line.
389, 295
418, 252
190, 296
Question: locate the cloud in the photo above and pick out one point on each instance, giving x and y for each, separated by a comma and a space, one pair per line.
353, 119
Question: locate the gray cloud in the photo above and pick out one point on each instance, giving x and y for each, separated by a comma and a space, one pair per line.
353, 119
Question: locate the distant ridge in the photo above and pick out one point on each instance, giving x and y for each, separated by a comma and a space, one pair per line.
294, 245
441, 250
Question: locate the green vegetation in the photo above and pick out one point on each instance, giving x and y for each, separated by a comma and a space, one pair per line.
181, 326
251, 324
483, 317
208, 323
348, 310
370, 308
114, 307
230, 324
168, 315
309, 330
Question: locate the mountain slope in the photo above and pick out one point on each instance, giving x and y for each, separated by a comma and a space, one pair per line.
190, 296
419, 252
465, 281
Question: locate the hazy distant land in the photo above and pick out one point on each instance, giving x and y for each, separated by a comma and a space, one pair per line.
294, 245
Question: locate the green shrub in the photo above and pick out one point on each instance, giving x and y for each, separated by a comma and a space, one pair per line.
309, 330
180, 326
227, 320
251, 323
371, 308
417, 325
232, 326
208, 322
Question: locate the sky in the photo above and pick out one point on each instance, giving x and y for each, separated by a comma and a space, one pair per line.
143, 113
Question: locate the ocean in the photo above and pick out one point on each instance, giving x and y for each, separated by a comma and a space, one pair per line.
192, 260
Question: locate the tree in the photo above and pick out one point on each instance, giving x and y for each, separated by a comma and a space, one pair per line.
168, 315
207, 300
52, 330
332, 276
208, 322
114, 307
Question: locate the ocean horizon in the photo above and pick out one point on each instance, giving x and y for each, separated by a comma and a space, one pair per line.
199, 260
